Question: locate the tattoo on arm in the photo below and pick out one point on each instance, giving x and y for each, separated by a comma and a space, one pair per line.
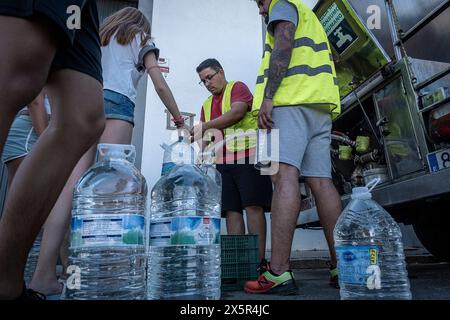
281, 56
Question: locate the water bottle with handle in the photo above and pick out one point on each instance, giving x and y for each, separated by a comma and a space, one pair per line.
369, 250
175, 153
108, 229
208, 166
184, 234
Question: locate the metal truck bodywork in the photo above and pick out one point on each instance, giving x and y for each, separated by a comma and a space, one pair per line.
394, 83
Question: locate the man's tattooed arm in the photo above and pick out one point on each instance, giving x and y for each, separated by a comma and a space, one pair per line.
281, 56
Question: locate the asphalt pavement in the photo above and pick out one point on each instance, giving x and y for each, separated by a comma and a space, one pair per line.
429, 280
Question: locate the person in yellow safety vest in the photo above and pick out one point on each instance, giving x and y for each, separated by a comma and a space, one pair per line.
243, 187
297, 94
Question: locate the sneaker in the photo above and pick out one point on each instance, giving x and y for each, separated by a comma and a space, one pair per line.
263, 267
269, 283
334, 278
30, 295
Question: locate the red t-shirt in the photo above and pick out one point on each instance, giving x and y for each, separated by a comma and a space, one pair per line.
239, 93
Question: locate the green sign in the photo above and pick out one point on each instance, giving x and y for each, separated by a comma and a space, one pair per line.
339, 31
332, 18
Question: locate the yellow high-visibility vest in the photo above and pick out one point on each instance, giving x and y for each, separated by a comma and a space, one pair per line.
248, 124
311, 76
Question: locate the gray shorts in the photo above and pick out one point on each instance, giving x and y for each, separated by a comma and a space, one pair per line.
21, 139
305, 138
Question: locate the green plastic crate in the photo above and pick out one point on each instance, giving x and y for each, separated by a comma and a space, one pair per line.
239, 255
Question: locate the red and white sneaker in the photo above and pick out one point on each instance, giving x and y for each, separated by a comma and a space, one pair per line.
269, 283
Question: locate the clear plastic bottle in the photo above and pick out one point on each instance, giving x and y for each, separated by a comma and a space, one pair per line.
168, 164
184, 234
108, 228
174, 154
33, 256
208, 167
369, 249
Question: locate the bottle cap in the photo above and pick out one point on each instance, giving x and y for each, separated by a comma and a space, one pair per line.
116, 151
361, 193
364, 193
179, 152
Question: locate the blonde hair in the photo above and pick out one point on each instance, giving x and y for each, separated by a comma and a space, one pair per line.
127, 23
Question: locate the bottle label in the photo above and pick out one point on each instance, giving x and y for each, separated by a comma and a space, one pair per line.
359, 265
185, 231
108, 230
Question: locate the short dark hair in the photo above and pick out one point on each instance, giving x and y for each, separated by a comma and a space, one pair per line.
209, 63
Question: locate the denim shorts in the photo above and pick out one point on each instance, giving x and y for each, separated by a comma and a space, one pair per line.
118, 106
21, 139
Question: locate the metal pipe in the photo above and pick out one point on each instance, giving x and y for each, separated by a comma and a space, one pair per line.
343, 140
369, 157
432, 79
371, 84
426, 20
393, 29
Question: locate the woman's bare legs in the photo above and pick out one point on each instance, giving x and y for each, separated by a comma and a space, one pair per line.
57, 225
45, 278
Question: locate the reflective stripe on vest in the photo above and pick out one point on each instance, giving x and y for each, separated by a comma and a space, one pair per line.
304, 42
303, 69
311, 77
248, 124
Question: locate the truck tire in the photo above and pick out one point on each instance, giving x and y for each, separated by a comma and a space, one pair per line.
432, 228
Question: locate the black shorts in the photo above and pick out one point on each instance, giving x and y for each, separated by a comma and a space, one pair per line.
79, 49
244, 186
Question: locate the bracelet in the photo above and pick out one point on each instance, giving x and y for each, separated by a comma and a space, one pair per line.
178, 121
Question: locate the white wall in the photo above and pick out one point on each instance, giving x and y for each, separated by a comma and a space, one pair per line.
188, 32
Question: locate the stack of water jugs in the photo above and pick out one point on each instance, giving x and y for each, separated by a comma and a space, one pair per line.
119, 252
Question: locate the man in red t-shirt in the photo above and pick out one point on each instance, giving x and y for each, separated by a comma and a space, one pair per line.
243, 187
242, 99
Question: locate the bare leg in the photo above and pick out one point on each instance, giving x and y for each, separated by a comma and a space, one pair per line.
235, 223
44, 279
285, 211
77, 122
57, 225
64, 254
329, 207
118, 132
12, 167
25, 57
256, 221
5, 121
